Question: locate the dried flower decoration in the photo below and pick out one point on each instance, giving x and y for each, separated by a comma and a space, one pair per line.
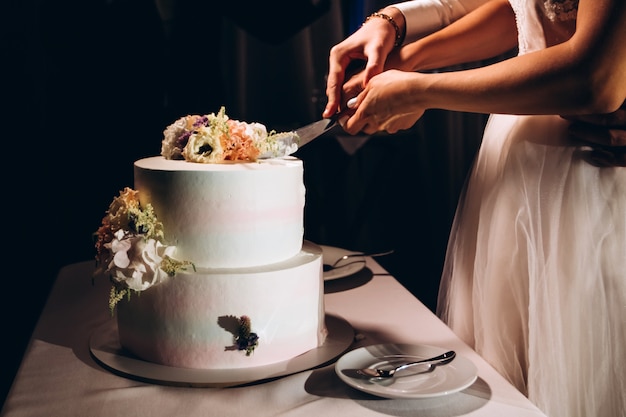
246, 339
215, 138
129, 247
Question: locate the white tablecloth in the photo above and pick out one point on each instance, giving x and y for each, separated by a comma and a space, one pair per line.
58, 376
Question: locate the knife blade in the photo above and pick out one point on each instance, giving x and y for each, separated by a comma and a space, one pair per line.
316, 129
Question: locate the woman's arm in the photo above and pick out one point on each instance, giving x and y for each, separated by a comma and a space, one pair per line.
484, 33
585, 74
373, 42
423, 17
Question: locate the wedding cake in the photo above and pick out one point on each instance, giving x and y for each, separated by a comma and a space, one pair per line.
206, 253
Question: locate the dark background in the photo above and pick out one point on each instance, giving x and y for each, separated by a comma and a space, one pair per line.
83, 93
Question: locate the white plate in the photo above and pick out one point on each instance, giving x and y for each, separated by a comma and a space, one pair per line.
331, 254
445, 379
106, 350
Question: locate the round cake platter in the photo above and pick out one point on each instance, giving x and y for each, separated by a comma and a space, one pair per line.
106, 350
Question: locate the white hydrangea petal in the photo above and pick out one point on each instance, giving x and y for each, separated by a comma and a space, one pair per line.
279, 145
169, 148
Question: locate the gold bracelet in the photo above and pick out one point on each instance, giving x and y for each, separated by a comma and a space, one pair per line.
389, 19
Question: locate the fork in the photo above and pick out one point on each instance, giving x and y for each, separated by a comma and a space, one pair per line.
335, 265
388, 373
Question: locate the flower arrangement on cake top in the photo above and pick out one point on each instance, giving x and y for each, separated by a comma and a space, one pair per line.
129, 247
215, 138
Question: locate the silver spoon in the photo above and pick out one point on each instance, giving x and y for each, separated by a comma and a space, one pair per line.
388, 373
335, 265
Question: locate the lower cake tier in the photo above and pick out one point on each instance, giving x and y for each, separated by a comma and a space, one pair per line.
194, 319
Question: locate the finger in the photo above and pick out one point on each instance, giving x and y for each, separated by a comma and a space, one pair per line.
598, 134
347, 113
375, 64
370, 129
342, 121
604, 158
334, 82
617, 137
615, 119
392, 128
333, 94
353, 123
351, 88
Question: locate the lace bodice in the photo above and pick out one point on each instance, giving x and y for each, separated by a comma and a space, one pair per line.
560, 10
544, 22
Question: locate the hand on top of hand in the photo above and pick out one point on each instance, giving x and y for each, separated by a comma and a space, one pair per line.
601, 129
368, 47
377, 108
605, 133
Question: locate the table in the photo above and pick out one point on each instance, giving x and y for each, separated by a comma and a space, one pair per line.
59, 377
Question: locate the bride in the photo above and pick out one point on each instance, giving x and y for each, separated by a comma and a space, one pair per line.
535, 271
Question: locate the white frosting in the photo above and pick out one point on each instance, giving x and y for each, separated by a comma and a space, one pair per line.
241, 225
177, 322
229, 215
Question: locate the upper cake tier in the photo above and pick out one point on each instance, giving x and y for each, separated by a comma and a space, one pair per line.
227, 215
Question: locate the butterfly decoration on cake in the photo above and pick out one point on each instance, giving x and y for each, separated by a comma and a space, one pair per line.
215, 138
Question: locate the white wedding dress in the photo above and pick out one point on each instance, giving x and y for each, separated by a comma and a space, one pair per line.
535, 273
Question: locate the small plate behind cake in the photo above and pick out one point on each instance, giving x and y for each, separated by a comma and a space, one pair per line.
106, 350
331, 254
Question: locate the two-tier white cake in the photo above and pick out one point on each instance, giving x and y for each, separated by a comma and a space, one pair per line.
208, 262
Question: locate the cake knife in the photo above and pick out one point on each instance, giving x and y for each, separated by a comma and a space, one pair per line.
316, 129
